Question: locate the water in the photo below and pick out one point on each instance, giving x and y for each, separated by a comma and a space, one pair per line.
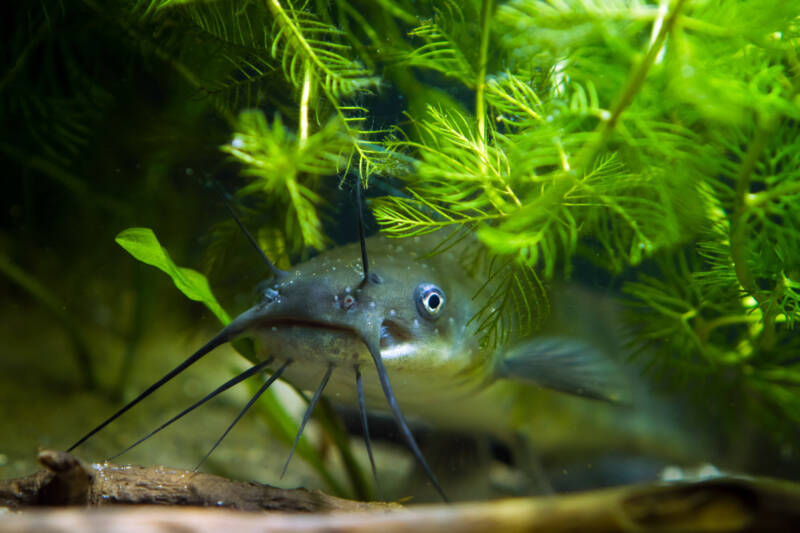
106, 129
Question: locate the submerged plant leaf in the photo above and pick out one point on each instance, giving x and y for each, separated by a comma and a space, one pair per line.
142, 244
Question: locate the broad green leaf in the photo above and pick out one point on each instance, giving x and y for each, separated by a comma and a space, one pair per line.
142, 244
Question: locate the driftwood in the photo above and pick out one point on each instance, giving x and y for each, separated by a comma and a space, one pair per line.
70, 481
719, 505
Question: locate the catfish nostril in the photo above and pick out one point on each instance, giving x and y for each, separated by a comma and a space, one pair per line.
348, 302
266, 293
270, 295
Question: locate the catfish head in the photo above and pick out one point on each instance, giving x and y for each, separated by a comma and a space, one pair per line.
409, 316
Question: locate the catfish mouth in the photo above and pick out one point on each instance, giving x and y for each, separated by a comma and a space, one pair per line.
287, 322
392, 333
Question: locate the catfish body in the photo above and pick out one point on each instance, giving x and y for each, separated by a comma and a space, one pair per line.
320, 314
403, 338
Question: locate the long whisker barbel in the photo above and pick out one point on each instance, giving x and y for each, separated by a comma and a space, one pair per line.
362, 409
222, 337
222, 388
277, 273
359, 384
382, 374
400, 419
307, 416
226, 335
253, 400
256, 318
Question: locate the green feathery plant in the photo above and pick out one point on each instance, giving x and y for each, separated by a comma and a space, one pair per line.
631, 133
657, 139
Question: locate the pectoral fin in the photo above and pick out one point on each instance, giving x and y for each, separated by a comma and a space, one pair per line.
566, 365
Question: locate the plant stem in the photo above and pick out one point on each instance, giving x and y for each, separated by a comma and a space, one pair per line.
480, 83
704, 328
304, 106
587, 156
480, 91
334, 427
738, 235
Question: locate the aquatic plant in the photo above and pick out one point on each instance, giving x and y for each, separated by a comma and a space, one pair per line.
658, 140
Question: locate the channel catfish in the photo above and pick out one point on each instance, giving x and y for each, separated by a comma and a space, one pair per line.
398, 333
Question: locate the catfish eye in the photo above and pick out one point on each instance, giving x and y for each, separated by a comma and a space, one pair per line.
430, 300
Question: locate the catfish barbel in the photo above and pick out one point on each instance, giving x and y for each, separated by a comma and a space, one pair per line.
398, 331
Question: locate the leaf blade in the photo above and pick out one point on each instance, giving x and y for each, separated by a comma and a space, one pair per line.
143, 245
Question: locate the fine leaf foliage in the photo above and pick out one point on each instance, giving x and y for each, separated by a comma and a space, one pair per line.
440, 50
284, 168
515, 300
302, 42
315, 58
592, 146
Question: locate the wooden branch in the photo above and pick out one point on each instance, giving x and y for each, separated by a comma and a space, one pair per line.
70, 481
722, 504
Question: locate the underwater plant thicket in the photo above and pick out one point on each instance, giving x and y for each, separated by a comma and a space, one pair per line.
658, 140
